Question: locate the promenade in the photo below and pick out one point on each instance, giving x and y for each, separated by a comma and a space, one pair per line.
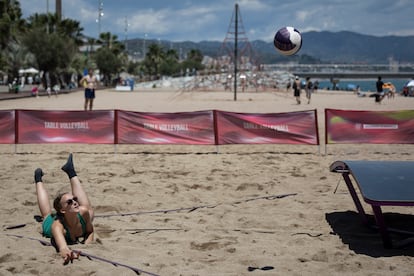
26, 92
354, 75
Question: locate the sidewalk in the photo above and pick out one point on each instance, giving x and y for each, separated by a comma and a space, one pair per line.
26, 92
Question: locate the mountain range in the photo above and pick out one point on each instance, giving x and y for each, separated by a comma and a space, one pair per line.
317, 47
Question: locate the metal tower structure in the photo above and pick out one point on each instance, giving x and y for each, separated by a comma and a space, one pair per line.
236, 52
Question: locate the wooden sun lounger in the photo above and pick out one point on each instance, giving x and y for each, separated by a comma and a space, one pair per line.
381, 183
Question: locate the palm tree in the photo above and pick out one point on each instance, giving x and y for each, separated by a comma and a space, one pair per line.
10, 22
91, 43
53, 42
111, 42
170, 64
153, 59
50, 24
11, 25
72, 29
110, 58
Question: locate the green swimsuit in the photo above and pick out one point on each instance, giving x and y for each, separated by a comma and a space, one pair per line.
47, 228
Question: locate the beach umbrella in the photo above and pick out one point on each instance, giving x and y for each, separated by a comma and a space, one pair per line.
410, 83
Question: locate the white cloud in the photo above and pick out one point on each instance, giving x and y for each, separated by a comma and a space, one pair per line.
165, 21
253, 5
149, 21
209, 20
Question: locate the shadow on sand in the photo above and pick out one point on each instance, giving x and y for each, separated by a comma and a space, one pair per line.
363, 239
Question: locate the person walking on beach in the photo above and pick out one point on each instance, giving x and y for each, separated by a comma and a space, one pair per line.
379, 96
72, 222
296, 89
89, 81
308, 89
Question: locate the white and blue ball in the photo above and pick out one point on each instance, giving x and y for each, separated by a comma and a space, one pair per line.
288, 41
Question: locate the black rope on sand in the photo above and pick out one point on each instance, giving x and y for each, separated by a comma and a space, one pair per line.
152, 230
89, 256
308, 234
15, 226
191, 209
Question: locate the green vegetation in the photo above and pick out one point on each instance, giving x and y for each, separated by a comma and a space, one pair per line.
60, 50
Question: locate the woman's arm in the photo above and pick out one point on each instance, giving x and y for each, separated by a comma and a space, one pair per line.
89, 235
64, 251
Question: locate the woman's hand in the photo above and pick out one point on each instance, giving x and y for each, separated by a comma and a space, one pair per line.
68, 255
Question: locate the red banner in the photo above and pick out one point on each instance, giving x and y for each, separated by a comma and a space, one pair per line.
195, 128
276, 128
7, 127
377, 127
96, 127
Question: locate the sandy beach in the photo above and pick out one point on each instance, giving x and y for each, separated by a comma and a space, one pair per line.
203, 210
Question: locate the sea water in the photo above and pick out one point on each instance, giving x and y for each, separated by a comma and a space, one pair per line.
364, 84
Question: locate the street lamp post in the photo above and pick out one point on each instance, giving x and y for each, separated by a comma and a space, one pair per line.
47, 14
100, 14
143, 48
126, 33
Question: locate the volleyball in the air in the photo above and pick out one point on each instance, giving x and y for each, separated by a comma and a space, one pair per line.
288, 41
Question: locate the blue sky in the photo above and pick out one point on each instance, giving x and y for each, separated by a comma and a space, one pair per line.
181, 20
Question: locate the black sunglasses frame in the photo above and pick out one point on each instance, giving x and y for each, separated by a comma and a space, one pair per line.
71, 200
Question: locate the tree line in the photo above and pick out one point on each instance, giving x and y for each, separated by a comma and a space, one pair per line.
58, 48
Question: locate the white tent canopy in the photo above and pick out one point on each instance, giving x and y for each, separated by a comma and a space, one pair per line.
30, 70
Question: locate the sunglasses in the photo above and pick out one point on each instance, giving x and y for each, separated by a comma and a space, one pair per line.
71, 200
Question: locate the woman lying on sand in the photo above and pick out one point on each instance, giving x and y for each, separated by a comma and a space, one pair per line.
73, 217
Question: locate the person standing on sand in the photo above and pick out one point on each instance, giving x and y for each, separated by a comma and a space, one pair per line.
380, 92
73, 218
308, 89
296, 89
379, 84
89, 82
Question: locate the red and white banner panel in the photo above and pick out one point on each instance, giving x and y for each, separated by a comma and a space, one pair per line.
277, 128
35, 126
377, 127
196, 128
7, 127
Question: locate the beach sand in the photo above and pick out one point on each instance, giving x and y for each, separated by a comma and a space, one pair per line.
203, 210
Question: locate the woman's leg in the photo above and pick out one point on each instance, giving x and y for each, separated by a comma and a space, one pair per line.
77, 189
42, 195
